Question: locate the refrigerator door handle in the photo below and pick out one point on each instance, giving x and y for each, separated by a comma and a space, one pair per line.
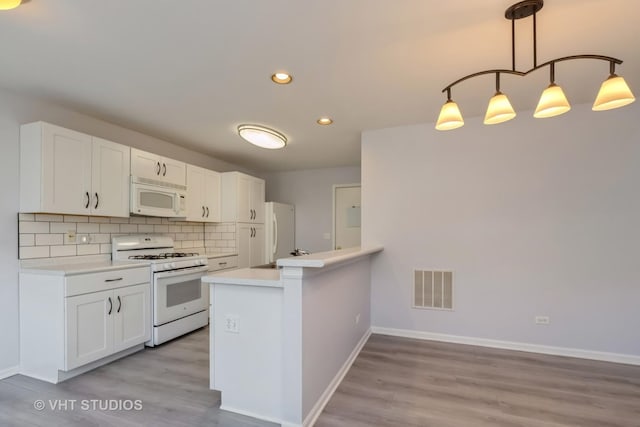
275, 235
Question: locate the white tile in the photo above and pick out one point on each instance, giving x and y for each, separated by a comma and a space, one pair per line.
99, 219
152, 220
48, 239
228, 236
119, 220
187, 244
88, 249
142, 228
166, 221
216, 236
109, 228
231, 228
177, 245
129, 228
220, 244
187, 228
182, 236
88, 228
34, 252
160, 228
175, 229
101, 238
27, 240
62, 227
49, 218
137, 220
26, 217
66, 250
33, 227
76, 218
105, 248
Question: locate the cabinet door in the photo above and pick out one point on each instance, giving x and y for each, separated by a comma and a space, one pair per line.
174, 171
110, 178
244, 233
257, 200
195, 193
257, 246
212, 196
66, 171
131, 316
89, 328
145, 165
245, 213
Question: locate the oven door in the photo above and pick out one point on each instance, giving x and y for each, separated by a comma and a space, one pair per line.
178, 294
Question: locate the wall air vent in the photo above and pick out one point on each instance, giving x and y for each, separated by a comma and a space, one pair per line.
433, 289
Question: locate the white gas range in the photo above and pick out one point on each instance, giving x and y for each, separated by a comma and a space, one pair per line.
179, 300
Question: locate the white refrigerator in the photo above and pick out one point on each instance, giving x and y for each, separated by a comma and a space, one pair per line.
280, 231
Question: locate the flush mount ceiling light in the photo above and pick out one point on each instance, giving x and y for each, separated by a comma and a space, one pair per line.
614, 92
282, 78
262, 136
324, 121
9, 4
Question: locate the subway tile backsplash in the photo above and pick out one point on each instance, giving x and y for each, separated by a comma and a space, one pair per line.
47, 236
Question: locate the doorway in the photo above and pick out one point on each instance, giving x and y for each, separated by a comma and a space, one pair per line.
346, 216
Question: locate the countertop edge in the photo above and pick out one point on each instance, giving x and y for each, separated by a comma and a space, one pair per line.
325, 259
77, 269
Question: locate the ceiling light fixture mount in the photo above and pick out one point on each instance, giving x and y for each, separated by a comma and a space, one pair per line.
262, 136
614, 92
324, 121
281, 78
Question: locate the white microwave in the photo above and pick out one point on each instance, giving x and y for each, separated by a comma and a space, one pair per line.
155, 198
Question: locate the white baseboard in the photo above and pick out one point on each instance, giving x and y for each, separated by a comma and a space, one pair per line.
510, 345
6, 373
254, 415
317, 409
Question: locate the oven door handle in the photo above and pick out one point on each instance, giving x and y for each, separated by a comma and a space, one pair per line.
182, 272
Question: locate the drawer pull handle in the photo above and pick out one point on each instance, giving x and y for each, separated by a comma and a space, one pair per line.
222, 263
113, 280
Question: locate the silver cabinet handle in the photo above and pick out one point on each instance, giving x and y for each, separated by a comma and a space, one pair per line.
207, 211
88, 200
158, 171
97, 201
164, 171
113, 280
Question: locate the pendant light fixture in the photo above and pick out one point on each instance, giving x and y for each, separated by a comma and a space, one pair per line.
262, 136
614, 92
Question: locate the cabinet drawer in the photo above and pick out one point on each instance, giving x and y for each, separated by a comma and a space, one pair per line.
95, 282
223, 263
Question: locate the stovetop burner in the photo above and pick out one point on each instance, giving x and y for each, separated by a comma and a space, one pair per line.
166, 255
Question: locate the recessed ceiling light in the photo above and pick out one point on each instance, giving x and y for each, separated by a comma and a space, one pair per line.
262, 136
282, 78
324, 121
9, 4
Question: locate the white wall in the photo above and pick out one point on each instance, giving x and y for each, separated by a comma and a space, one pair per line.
15, 110
311, 191
535, 217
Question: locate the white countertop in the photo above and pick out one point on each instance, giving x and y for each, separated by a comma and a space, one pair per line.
269, 277
325, 259
74, 268
220, 254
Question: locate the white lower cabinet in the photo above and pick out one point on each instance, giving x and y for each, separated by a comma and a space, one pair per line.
102, 323
250, 244
71, 323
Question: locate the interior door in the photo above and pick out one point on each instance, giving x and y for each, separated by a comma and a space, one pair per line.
110, 167
132, 318
66, 170
346, 228
89, 328
145, 165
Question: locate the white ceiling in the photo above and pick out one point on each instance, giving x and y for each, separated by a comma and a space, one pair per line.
190, 71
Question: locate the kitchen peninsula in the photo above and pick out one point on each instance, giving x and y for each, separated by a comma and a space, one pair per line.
282, 339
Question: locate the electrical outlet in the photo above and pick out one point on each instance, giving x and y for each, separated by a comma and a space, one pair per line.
542, 320
357, 318
232, 324
71, 236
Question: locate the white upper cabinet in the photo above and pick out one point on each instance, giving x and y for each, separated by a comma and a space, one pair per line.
243, 198
68, 172
203, 194
152, 166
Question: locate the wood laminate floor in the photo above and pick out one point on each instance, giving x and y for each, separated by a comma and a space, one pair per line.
403, 382
394, 382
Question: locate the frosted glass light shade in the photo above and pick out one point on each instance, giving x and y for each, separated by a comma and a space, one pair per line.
499, 110
552, 102
450, 117
9, 4
614, 93
262, 136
